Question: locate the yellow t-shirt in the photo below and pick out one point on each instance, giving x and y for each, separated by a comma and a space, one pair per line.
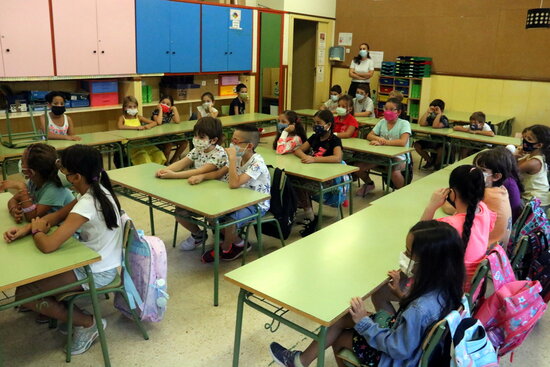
132, 122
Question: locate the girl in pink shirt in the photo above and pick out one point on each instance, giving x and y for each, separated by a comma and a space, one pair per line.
290, 133
473, 220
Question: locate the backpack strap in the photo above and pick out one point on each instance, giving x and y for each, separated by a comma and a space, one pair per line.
134, 298
500, 267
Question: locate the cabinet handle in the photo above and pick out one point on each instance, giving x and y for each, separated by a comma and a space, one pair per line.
173, 52
231, 53
167, 52
95, 52
7, 50
102, 52
225, 53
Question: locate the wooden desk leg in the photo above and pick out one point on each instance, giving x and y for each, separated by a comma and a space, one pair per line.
238, 329
97, 316
216, 258
321, 341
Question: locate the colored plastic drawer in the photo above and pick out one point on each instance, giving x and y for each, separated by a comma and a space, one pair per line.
386, 81
100, 86
103, 99
80, 103
385, 89
402, 82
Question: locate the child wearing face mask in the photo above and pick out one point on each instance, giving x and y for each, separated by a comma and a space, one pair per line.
237, 106
43, 191
131, 120
345, 125
59, 125
321, 147
473, 220
362, 103
245, 169
533, 158
166, 113
435, 118
290, 133
206, 109
435, 258
477, 126
393, 131
205, 161
334, 95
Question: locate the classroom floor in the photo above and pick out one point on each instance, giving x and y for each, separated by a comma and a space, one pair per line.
193, 332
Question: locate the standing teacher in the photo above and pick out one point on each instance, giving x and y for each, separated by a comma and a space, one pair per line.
361, 70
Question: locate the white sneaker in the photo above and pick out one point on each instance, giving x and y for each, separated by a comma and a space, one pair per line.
191, 243
84, 337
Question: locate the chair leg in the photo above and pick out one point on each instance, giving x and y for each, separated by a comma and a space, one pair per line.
70, 309
135, 316
280, 233
246, 233
175, 234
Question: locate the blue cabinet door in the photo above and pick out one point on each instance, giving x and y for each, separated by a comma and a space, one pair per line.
215, 25
152, 36
240, 44
184, 37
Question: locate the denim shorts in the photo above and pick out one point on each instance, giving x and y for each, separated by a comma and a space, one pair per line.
100, 279
240, 214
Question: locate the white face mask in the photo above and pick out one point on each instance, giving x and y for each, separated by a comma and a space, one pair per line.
406, 264
63, 179
334, 98
341, 111
201, 144
132, 111
206, 105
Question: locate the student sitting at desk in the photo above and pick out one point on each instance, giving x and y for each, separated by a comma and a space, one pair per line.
247, 169
477, 126
166, 113
393, 131
435, 118
59, 125
43, 192
237, 106
362, 103
95, 218
345, 125
434, 258
131, 120
206, 160
321, 147
533, 159
290, 133
334, 95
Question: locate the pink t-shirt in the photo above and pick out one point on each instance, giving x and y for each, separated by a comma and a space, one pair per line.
476, 250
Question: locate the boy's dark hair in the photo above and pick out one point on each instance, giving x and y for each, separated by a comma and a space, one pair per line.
364, 87
336, 88
208, 94
50, 96
498, 160
87, 162
349, 101
397, 103
251, 132
209, 126
41, 158
440, 257
542, 133
168, 97
326, 116
438, 103
299, 129
239, 87
478, 116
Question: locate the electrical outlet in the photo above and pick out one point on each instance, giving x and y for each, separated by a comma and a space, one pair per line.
347, 50
203, 83
215, 81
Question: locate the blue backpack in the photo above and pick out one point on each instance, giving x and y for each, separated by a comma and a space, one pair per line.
336, 197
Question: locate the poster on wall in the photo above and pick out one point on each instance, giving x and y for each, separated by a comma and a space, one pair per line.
320, 74
377, 58
235, 18
345, 39
322, 40
321, 57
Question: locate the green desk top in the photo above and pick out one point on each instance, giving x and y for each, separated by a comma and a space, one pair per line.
22, 263
306, 112
497, 139
364, 146
320, 172
97, 138
459, 116
210, 199
319, 274
430, 130
164, 129
247, 118
368, 120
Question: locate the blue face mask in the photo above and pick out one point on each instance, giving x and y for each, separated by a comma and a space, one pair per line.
359, 96
319, 130
281, 126
363, 53
240, 152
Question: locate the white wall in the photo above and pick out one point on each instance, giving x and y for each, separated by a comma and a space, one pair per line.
321, 8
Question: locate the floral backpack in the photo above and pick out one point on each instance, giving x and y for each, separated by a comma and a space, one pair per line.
512, 311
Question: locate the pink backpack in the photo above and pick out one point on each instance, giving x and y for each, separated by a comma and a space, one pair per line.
512, 311
146, 287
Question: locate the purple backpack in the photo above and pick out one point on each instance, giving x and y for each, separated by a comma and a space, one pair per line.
146, 285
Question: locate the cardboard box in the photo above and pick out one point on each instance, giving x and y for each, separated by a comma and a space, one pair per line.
182, 94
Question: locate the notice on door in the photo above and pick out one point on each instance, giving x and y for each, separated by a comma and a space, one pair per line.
235, 18
320, 74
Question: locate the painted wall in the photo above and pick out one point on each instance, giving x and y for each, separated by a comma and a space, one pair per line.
320, 8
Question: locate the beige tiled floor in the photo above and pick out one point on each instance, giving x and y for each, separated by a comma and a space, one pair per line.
193, 333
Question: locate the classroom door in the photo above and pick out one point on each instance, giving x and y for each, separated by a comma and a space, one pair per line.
303, 64
270, 61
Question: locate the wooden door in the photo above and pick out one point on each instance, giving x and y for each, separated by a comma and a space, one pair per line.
75, 33
25, 37
116, 30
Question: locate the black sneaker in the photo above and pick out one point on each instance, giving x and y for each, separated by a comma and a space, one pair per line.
282, 356
428, 165
309, 227
234, 252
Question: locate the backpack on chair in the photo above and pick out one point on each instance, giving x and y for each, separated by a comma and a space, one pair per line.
512, 311
145, 280
283, 205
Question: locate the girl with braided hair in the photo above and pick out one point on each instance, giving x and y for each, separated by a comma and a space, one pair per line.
472, 219
95, 216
